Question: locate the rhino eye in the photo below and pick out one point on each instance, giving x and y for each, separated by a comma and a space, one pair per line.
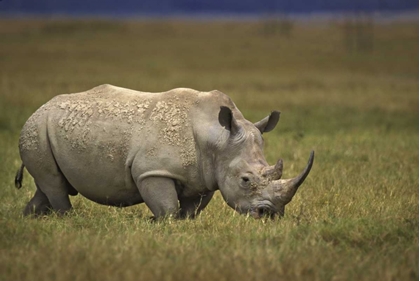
246, 182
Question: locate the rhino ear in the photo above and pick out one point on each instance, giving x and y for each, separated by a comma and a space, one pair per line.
227, 120
269, 122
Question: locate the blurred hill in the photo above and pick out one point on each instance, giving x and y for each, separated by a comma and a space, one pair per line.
171, 7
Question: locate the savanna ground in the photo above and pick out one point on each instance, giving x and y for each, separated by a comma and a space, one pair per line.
352, 96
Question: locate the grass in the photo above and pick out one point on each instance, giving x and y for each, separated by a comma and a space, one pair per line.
355, 217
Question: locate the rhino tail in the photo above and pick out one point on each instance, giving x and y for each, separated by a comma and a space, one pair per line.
19, 177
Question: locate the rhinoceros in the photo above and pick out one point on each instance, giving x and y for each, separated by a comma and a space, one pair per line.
170, 150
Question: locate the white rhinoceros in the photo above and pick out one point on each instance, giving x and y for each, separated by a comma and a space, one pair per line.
171, 150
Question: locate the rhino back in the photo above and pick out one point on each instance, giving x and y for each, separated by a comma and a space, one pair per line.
95, 135
104, 138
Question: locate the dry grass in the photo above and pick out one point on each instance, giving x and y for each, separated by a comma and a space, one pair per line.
356, 216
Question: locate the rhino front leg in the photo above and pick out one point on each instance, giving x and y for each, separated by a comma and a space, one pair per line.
160, 196
192, 206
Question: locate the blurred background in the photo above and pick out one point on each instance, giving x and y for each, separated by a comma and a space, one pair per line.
330, 57
330, 66
201, 7
344, 74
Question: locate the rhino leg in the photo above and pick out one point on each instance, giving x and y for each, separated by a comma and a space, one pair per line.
60, 203
50, 181
38, 205
192, 206
160, 196
52, 187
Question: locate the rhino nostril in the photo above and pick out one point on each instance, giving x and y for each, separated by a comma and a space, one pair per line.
264, 212
245, 179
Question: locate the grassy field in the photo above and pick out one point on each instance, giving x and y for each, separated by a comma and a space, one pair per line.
356, 216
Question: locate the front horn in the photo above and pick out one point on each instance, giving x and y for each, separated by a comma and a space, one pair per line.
286, 189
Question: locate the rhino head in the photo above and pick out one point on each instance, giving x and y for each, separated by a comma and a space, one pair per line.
246, 181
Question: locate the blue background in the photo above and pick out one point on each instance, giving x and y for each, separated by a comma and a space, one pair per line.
191, 7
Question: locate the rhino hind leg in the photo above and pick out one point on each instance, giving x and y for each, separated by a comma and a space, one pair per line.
52, 189
52, 185
160, 196
57, 193
39, 205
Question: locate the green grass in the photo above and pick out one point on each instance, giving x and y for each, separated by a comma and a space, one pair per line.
355, 217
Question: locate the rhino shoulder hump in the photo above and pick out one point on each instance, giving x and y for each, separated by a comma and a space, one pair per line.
221, 98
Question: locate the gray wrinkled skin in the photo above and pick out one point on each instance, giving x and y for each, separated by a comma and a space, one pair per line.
171, 150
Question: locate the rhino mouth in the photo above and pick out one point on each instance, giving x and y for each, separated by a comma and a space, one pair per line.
263, 210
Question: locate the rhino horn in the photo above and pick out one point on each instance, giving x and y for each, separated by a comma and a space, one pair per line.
273, 172
285, 189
